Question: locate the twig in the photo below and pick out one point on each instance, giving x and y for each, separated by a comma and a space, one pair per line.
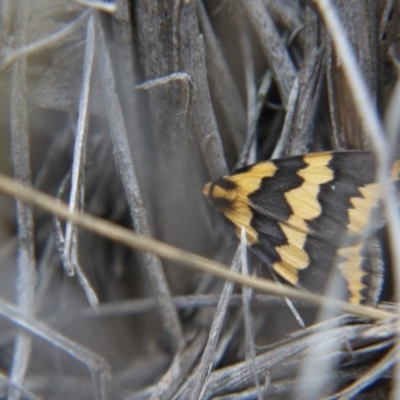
48, 41
97, 365
252, 128
181, 302
285, 13
147, 244
110, 8
180, 368
249, 73
127, 171
176, 76
80, 144
310, 81
371, 376
317, 367
20, 149
288, 302
60, 244
23, 391
392, 116
248, 321
222, 83
206, 363
291, 108
273, 46
193, 62
236, 377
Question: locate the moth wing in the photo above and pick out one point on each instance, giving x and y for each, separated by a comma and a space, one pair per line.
311, 216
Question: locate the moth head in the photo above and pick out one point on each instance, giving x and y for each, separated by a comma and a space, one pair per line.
221, 193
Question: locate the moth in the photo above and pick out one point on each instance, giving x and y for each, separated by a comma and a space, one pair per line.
305, 215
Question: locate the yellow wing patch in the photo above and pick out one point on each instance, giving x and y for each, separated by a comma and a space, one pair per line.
352, 271
362, 206
240, 213
305, 206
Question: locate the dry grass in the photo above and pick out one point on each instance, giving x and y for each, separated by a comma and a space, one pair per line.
124, 113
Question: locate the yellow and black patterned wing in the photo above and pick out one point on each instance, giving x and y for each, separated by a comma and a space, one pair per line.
305, 214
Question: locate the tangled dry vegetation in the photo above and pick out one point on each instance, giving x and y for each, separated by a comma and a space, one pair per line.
124, 111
